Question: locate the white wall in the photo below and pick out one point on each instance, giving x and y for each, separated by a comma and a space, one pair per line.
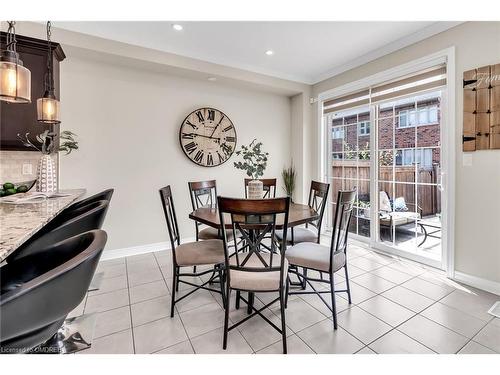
128, 122
477, 205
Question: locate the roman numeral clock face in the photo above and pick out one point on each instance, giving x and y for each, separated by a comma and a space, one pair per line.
208, 137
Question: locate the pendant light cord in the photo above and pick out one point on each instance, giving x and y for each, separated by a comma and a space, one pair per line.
11, 37
49, 83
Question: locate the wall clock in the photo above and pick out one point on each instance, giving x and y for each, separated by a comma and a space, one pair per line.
207, 137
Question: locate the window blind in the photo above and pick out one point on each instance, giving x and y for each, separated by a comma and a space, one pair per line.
427, 79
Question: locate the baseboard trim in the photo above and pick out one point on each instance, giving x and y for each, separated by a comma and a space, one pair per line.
138, 250
478, 282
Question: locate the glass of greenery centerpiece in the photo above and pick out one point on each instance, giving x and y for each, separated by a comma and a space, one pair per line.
288, 175
254, 164
46, 173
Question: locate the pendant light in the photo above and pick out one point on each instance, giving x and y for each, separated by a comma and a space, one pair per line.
48, 106
15, 79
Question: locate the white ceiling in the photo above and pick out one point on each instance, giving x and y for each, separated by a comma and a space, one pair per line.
303, 51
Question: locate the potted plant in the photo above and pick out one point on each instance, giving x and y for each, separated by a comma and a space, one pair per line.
46, 174
254, 164
288, 175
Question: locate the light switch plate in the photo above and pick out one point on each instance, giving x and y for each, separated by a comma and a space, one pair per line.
27, 168
467, 160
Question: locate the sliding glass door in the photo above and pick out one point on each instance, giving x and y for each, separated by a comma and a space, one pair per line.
408, 149
385, 141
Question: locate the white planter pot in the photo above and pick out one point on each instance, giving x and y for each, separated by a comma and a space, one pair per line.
46, 175
255, 189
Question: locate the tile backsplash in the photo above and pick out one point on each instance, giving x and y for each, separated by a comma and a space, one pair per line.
12, 164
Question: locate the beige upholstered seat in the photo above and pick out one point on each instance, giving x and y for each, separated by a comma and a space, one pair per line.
200, 253
300, 234
257, 281
210, 233
314, 256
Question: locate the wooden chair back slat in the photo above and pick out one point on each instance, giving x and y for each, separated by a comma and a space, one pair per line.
170, 216
343, 214
254, 220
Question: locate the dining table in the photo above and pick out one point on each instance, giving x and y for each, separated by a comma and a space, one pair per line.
20, 221
298, 214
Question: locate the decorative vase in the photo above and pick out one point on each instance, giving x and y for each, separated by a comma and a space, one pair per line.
46, 175
255, 189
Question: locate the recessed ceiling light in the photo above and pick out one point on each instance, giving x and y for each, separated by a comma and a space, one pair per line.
177, 27
212, 79
269, 52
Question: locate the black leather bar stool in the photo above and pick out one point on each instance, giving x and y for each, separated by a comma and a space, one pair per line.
37, 292
83, 219
102, 196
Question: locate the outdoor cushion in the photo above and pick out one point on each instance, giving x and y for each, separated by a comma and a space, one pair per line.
314, 256
257, 281
300, 234
200, 253
385, 203
400, 204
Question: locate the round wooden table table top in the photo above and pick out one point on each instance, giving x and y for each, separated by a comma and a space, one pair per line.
298, 214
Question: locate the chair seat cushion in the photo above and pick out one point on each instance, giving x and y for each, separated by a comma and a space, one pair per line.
210, 233
300, 234
257, 281
200, 253
314, 256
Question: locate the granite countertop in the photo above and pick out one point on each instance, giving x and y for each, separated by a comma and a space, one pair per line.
18, 222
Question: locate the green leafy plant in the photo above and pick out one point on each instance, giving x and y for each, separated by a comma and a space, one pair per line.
254, 159
288, 175
67, 142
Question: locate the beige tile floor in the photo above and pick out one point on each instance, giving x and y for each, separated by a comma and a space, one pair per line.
398, 307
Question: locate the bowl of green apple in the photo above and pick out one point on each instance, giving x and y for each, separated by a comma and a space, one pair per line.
10, 188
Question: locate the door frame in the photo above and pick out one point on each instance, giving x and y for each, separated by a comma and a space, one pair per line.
448, 138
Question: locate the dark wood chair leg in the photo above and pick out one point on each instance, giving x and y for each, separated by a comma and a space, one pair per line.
222, 286
283, 323
251, 298
174, 286
334, 306
304, 283
347, 285
287, 290
226, 318
237, 303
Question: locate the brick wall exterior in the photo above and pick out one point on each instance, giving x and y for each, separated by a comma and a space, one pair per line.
426, 135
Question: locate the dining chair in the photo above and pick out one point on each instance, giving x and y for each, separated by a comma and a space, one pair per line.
248, 268
318, 197
313, 256
199, 253
204, 194
269, 185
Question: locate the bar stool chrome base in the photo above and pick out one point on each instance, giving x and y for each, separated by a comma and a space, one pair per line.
76, 334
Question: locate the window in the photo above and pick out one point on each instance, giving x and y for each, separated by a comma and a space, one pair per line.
337, 155
407, 157
422, 116
338, 132
364, 128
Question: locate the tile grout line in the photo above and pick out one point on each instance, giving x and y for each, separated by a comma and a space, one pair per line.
178, 314
130, 307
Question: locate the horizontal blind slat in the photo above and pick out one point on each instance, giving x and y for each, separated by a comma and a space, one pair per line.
411, 90
409, 80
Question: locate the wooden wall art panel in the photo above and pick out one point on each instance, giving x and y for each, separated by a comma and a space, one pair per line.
481, 120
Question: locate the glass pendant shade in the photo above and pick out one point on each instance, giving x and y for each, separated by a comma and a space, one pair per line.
48, 109
15, 81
